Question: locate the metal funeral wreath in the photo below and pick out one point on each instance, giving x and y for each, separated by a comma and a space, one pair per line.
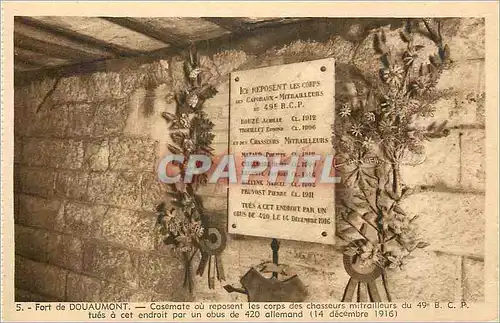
372, 137
186, 225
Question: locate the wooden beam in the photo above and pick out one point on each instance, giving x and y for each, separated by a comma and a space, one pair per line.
53, 50
234, 25
39, 58
238, 25
50, 38
104, 65
73, 36
147, 30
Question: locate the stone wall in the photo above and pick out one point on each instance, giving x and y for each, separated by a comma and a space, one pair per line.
85, 181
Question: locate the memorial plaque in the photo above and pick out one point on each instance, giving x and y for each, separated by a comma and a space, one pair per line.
285, 112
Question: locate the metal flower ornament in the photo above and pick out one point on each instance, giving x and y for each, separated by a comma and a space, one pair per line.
376, 129
183, 222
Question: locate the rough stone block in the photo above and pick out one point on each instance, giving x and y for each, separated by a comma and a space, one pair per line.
341, 49
144, 119
153, 191
72, 89
427, 276
481, 108
131, 79
160, 273
215, 204
229, 60
217, 108
451, 222
97, 155
37, 152
473, 158
53, 153
110, 263
80, 116
177, 73
65, 251
209, 74
30, 242
132, 154
41, 212
299, 51
129, 228
118, 189
40, 278
473, 283
37, 181
439, 166
84, 219
72, 184
32, 92
50, 120
81, 288
105, 85
110, 118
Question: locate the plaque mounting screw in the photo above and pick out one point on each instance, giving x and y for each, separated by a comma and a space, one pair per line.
236, 79
234, 226
324, 234
323, 68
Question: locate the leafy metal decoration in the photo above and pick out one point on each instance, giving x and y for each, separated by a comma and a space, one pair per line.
184, 222
375, 132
